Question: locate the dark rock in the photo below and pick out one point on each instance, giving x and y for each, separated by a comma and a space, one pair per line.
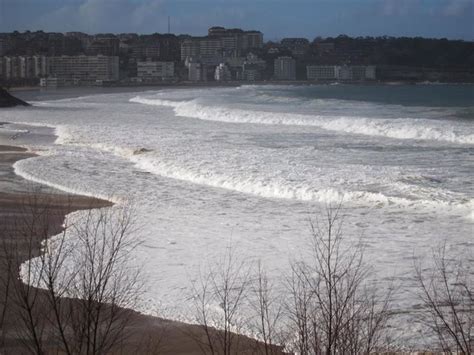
8, 100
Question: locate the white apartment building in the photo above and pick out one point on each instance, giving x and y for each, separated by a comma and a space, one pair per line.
196, 71
322, 72
155, 71
23, 67
85, 69
222, 73
343, 73
285, 68
11, 68
40, 66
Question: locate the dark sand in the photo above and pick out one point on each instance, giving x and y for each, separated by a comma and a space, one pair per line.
144, 334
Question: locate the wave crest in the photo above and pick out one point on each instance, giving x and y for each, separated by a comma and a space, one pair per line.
400, 128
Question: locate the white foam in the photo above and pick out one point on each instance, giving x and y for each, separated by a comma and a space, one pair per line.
400, 128
21, 168
197, 183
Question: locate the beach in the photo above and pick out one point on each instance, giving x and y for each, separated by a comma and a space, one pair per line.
249, 167
19, 199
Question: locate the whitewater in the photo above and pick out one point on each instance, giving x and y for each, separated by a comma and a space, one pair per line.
251, 165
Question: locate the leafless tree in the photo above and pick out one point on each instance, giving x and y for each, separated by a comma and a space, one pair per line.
268, 310
88, 261
299, 308
23, 301
218, 297
333, 310
446, 291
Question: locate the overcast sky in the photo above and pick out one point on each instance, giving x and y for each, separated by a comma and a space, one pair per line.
275, 18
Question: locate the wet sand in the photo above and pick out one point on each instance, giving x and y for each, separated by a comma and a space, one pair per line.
18, 198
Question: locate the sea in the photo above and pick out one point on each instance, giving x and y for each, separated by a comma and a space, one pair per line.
250, 167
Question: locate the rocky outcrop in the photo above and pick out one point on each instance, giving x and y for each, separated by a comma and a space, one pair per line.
8, 100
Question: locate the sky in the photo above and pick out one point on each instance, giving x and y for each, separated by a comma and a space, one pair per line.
453, 19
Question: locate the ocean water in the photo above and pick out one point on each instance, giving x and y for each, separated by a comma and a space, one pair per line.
251, 165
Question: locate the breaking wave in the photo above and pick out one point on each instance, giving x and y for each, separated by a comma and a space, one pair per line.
400, 128
282, 189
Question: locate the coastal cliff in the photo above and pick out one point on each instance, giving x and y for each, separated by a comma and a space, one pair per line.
8, 100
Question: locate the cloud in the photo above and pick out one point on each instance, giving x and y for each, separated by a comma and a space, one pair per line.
458, 8
400, 7
276, 18
105, 16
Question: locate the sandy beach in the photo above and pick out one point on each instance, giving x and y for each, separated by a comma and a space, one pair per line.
144, 334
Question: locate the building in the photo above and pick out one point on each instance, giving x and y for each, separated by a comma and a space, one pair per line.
251, 72
219, 44
237, 39
190, 48
342, 73
196, 70
155, 71
322, 72
54, 82
222, 73
370, 72
254, 39
11, 68
84, 69
40, 66
285, 68
297, 46
106, 46
210, 49
253, 68
3, 46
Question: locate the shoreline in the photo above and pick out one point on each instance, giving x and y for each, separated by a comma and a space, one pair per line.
144, 333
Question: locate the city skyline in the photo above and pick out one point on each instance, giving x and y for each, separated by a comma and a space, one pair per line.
435, 18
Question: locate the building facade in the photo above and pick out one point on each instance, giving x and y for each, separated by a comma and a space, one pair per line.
220, 43
342, 73
285, 68
155, 71
85, 69
222, 73
322, 72
297, 46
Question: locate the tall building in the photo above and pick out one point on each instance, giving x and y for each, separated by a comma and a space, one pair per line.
190, 48
254, 39
40, 66
210, 48
11, 68
220, 43
155, 71
196, 71
85, 69
285, 68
